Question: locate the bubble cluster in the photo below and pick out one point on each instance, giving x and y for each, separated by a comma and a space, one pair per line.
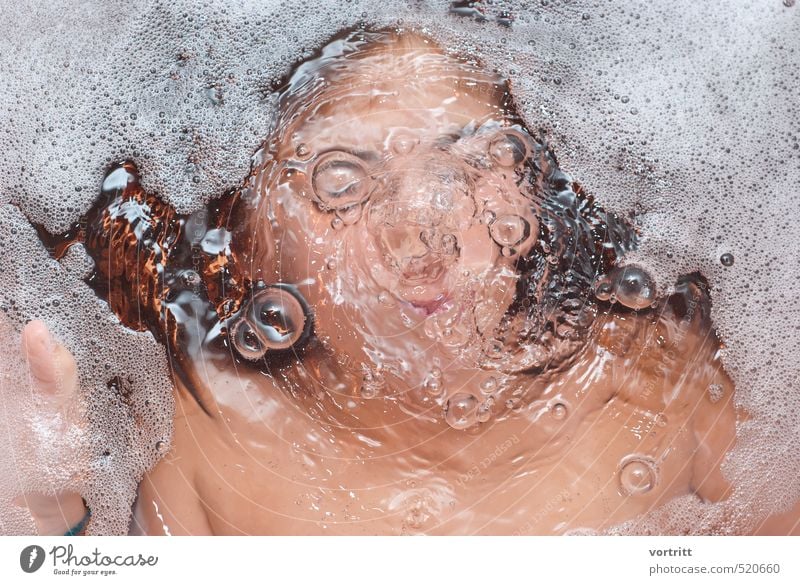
275, 319
629, 285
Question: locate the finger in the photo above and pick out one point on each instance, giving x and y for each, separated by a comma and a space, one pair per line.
51, 365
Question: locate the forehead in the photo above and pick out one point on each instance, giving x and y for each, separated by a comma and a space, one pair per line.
357, 99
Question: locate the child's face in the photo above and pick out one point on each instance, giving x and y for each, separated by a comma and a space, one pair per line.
399, 210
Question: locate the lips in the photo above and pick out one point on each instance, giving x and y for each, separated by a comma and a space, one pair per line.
430, 307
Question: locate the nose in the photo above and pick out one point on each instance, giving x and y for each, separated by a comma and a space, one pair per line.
422, 203
419, 254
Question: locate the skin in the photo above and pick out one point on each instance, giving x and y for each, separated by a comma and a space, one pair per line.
304, 452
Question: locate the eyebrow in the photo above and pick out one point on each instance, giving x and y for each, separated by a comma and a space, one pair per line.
374, 156
441, 140
367, 155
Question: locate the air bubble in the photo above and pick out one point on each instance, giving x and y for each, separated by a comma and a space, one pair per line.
510, 230
275, 319
484, 413
637, 475
633, 287
280, 317
246, 341
339, 180
603, 289
386, 299
489, 385
404, 143
372, 384
433, 386
559, 411
449, 245
726, 259
461, 411
508, 150
349, 215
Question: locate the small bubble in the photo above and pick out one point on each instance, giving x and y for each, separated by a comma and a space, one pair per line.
508, 150
726, 259
246, 341
432, 386
484, 411
449, 245
372, 384
603, 289
489, 385
302, 150
510, 230
161, 446
461, 411
559, 411
337, 223
637, 475
404, 143
190, 278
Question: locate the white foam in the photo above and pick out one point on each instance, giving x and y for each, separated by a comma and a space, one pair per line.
684, 114
44, 451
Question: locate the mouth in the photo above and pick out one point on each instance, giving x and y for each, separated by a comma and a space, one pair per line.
428, 308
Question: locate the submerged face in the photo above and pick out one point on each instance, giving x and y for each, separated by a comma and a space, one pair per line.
401, 198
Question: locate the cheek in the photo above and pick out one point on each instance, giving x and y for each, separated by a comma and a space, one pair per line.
478, 251
305, 238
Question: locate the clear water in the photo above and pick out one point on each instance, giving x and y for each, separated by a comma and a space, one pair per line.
464, 362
